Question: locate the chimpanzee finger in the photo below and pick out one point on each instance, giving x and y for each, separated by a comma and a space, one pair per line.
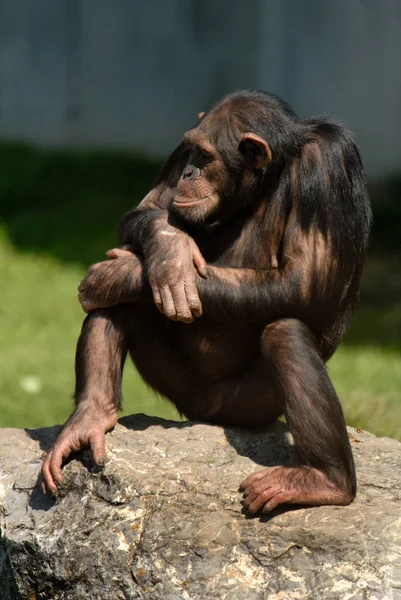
259, 502
118, 252
168, 303
157, 298
51, 468
280, 498
113, 253
193, 299
251, 479
59, 452
254, 491
97, 444
198, 260
182, 308
48, 483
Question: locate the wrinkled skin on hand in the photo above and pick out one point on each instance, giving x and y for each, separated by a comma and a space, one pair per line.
107, 281
172, 264
86, 427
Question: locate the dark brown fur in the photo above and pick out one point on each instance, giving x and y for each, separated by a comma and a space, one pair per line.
277, 207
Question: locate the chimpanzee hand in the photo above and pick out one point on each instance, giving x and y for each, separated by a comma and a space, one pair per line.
86, 427
112, 281
172, 263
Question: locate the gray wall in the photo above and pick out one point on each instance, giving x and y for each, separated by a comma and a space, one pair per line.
135, 73
343, 58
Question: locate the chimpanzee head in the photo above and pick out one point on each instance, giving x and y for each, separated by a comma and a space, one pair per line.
230, 154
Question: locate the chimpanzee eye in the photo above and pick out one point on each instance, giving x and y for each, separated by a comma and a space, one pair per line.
203, 153
203, 156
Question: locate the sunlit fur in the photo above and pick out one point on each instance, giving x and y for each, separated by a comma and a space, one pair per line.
285, 246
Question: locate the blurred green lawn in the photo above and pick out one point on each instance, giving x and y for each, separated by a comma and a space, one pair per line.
58, 214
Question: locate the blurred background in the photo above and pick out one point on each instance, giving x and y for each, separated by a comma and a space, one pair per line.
93, 95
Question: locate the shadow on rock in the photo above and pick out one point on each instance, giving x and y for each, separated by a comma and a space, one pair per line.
40, 501
276, 449
45, 436
268, 448
141, 422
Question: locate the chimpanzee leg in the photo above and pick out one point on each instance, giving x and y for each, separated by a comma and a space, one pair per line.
150, 338
101, 351
100, 356
315, 418
156, 352
247, 400
106, 336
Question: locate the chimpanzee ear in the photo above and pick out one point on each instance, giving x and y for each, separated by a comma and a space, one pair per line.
256, 149
200, 115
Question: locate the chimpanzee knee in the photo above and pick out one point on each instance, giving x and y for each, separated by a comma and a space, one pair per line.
287, 335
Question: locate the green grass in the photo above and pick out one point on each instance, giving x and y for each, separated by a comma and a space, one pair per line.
58, 212
40, 320
368, 381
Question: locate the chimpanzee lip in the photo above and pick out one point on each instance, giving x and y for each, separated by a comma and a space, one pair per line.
186, 203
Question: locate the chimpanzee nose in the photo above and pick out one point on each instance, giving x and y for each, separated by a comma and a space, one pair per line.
190, 172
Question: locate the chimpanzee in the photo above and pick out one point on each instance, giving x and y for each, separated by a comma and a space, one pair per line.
233, 284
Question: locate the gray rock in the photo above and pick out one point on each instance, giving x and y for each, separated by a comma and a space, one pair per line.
163, 521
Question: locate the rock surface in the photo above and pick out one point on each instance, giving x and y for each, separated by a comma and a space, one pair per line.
163, 521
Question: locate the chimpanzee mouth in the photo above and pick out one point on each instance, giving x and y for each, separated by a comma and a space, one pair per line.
186, 203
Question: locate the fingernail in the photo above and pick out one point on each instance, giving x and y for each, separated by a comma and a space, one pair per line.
101, 462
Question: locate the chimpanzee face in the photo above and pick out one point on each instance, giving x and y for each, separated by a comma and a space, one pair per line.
208, 184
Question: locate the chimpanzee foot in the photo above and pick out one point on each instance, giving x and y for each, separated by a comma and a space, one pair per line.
265, 490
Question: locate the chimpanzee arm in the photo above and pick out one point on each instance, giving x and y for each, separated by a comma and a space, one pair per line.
171, 259
309, 277
231, 295
138, 226
246, 296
